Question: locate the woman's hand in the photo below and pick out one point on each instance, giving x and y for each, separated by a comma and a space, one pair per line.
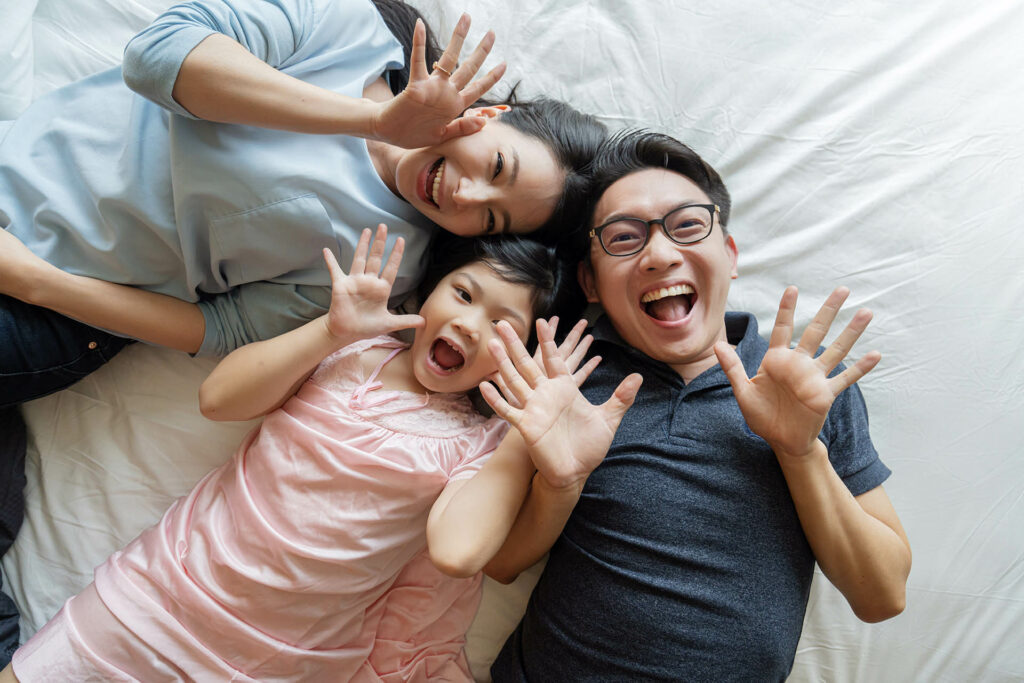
359, 300
429, 110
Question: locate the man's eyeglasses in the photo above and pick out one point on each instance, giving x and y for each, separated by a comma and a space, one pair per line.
684, 225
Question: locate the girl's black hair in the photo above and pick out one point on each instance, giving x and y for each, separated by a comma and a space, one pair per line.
400, 19
517, 260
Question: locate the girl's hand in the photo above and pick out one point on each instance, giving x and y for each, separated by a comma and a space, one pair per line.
787, 401
567, 436
429, 110
359, 300
21, 271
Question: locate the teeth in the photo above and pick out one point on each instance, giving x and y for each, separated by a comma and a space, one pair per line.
674, 290
437, 183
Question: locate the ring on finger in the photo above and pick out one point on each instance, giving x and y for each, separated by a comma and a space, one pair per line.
437, 67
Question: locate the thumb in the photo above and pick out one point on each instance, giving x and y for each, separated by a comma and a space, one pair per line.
401, 322
464, 125
621, 400
731, 366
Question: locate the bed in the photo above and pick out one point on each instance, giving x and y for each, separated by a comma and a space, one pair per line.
877, 145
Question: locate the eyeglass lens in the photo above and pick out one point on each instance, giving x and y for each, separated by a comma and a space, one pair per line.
685, 225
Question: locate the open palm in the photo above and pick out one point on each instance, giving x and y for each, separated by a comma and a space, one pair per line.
787, 401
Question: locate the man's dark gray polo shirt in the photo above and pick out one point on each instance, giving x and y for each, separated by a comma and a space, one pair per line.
684, 559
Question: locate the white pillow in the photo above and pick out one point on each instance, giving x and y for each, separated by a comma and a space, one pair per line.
16, 57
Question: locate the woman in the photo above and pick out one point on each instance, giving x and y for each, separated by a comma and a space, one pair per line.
269, 130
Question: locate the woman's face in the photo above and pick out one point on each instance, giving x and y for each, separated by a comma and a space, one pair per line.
496, 180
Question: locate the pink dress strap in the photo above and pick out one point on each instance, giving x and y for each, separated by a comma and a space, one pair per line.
359, 400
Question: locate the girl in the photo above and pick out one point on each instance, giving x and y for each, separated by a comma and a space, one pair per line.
306, 556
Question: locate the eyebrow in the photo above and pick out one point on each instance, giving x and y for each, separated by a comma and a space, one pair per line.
622, 216
504, 310
513, 174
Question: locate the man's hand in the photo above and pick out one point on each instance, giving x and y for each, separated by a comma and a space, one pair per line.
787, 401
567, 436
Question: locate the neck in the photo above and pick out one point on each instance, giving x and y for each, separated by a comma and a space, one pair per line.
384, 158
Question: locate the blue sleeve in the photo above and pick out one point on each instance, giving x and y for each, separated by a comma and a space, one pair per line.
272, 30
258, 310
849, 443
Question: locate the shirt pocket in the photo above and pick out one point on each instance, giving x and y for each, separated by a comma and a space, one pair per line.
271, 241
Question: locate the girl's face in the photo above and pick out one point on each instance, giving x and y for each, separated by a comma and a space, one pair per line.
496, 180
449, 353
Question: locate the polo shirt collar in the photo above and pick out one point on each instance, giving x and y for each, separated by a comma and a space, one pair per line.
740, 329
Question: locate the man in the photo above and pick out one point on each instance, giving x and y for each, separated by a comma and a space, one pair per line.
687, 554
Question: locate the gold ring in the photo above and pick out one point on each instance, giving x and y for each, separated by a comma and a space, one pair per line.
438, 67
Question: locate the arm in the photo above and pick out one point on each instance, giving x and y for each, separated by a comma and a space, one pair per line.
221, 62
548, 410
858, 542
151, 317
259, 377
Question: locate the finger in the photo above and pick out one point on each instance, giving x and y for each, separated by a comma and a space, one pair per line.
468, 68
782, 333
449, 61
337, 274
380, 242
524, 364
497, 403
840, 348
732, 367
359, 258
621, 400
551, 322
853, 373
499, 381
573, 338
406, 321
579, 353
514, 386
472, 92
581, 375
390, 271
418, 58
462, 126
812, 337
554, 365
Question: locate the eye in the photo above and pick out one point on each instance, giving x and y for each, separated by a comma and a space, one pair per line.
498, 165
464, 294
490, 223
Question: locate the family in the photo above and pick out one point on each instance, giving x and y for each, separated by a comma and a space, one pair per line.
431, 412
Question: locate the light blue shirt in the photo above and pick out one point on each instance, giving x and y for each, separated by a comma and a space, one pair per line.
103, 182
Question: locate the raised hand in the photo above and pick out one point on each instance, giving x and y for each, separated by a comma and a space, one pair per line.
787, 401
359, 300
567, 436
428, 111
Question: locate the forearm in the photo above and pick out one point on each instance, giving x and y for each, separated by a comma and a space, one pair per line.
468, 525
148, 316
540, 522
222, 81
256, 378
858, 542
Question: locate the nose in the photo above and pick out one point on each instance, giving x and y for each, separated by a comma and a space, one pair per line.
660, 252
468, 327
470, 192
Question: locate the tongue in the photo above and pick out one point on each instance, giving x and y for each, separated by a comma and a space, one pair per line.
446, 356
670, 308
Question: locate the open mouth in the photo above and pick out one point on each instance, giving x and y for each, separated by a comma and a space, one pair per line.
432, 184
447, 357
669, 304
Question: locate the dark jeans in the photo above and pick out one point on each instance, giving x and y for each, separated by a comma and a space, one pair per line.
40, 353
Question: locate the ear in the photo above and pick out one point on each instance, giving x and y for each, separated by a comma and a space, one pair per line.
489, 112
588, 283
730, 247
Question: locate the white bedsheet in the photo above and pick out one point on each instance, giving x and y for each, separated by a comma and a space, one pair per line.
877, 145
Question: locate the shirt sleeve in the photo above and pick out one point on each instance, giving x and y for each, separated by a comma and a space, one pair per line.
850, 449
272, 30
258, 310
480, 448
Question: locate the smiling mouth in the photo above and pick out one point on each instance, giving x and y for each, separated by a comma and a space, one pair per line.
446, 356
669, 304
432, 185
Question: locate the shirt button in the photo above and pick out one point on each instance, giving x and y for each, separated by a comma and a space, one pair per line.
92, 346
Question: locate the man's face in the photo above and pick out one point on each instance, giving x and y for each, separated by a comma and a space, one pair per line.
668, 300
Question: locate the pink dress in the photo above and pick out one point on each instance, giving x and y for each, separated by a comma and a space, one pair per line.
302, 558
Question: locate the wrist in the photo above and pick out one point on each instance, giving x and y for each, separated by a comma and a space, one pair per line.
789, 454
570, 489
